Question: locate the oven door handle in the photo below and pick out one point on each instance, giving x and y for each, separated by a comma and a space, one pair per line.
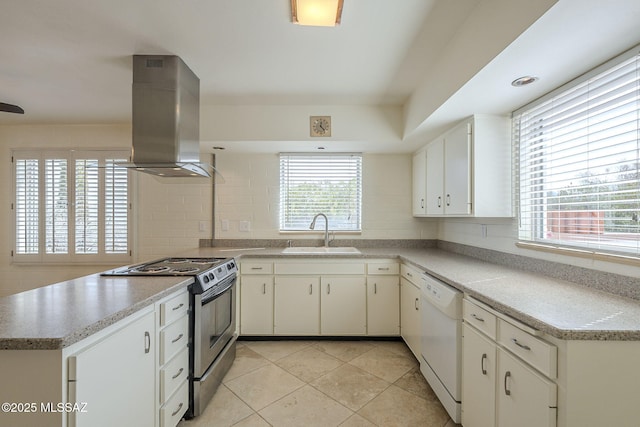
207, 299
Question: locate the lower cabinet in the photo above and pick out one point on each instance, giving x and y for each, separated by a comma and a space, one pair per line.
115, 378
410, 309
343, 304
256, 305
297, 305
499, 388
307, 297
383, 305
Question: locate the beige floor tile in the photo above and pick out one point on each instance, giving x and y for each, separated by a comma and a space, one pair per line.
224, 409
357, 421
246, 361
344, 350
385, 364
305, 407
398, 347
254, 420
414, 382
309, 363
263, 386
396, 407
350, 386
275, 350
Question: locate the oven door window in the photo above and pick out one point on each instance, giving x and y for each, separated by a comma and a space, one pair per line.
217, 317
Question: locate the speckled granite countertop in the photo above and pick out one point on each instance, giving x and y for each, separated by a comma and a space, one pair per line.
559, 308
56, 316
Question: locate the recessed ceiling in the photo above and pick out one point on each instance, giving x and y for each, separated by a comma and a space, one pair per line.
69, 61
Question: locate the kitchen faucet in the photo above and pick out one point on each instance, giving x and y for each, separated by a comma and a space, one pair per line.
326, 227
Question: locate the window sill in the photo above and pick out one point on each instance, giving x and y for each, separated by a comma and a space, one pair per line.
581, 253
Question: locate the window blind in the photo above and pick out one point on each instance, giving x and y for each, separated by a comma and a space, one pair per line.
318, 183
71, 206
579, 162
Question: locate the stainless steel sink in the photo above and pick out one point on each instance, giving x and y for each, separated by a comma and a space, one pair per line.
320, 250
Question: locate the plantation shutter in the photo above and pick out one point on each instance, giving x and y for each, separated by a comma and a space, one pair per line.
71, 206
579, 157
316, 183
27, 191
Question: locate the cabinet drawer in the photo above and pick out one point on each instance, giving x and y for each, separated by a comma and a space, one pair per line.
173, 339
253, 267
172, 411
411, 274
173, 374
480, 318
375, 268
174, 308
538, 353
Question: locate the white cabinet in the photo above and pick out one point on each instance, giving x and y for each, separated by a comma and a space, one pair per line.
115, 377
256, 305
383, 298
419, 183
410, 308
173, 358
500, 387
297, 305
525, 398
343, 305
479, 381
467, 170
256, 297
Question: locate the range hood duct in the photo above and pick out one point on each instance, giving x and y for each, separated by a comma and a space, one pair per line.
166, 118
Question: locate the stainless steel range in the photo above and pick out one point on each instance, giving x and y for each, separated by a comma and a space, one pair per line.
212, 319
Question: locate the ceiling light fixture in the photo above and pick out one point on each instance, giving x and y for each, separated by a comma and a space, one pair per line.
523, 81
319, 13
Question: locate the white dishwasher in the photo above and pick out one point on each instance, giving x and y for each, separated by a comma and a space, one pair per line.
441, 342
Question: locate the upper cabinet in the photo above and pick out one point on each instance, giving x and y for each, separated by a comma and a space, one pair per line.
466, 172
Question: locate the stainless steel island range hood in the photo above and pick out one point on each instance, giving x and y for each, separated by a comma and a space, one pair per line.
166, 118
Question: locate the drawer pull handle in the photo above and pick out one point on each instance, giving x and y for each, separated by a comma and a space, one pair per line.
409, 274
256, 268
177, 410
310, 289
264, 288
178, 374
522, 346
383, 268
178, 307
375, 288
439, 201
506, 388
147, 342
484, 370
416, 303
177, 338
478, 318
328, 288
448, 199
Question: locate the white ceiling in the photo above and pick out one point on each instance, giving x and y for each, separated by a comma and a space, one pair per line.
69, 61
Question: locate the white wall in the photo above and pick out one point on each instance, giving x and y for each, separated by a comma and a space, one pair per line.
502, 235
250, 193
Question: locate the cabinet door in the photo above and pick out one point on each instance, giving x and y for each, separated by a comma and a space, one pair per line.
256, 305
419, 183
297, 305
383, 305
116, 378
410, 316
525, 398
457, 170
435, 178
478, 380
343, 306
